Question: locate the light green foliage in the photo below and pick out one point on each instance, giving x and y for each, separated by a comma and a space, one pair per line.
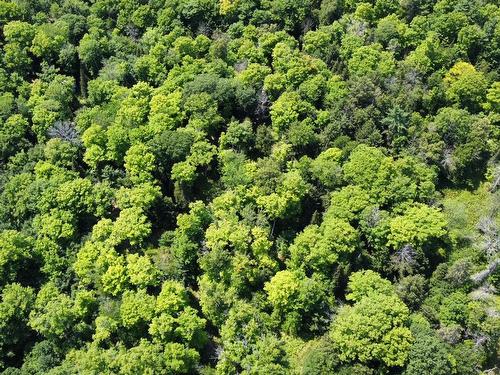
15, 254
56, 225
238, 136
283, 287
50, 102
293, 295
320, 43
172, 298
374, 329
244, 320
55, 315
363, 163
91, 50
180, 359
49, 39
371, 60
165, 111
348, 202
318, 249
81, 196
249, 187
465, 85
326, 167
287, 198
132, 226
201, 155
420, 225
287, 110
388, 180
15, 305
175, 319
454, 309
136, 308
268, 357
114, 279
94, 139
493, 98
12, 135
139, 164
62, 153
363, 284
19, 32
141, 272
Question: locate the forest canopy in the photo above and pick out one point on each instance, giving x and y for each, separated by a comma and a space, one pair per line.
254, 187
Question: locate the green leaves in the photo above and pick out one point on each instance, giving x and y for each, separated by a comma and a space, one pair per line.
371, 60
15, 305
15, 255
320, 248
418, 226
136, 308
227, 186
326, 167
55, 315
139, 164
465, 85
363, 284
373, 330
296, 299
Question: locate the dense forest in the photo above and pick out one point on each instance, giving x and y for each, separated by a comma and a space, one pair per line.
254, 187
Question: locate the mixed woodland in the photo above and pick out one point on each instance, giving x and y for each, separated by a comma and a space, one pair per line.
252, 187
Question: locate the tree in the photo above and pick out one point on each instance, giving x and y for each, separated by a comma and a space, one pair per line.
18, 36
493, 98
319, 357
454, 309
291, 15
15, 334
268, 357
391, 31
374, 329
244, 327
371, 60
419, 226
362, 164
287, 198
56, 315
15, 255
288, 109
465, 86
136, 309
320, 248
139, 164
296, 299
347, 203
363, 284
132, 226
326, 167
141, 271
49, 39
43, 357
428, 355
92, 50
412, 290
249, 186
